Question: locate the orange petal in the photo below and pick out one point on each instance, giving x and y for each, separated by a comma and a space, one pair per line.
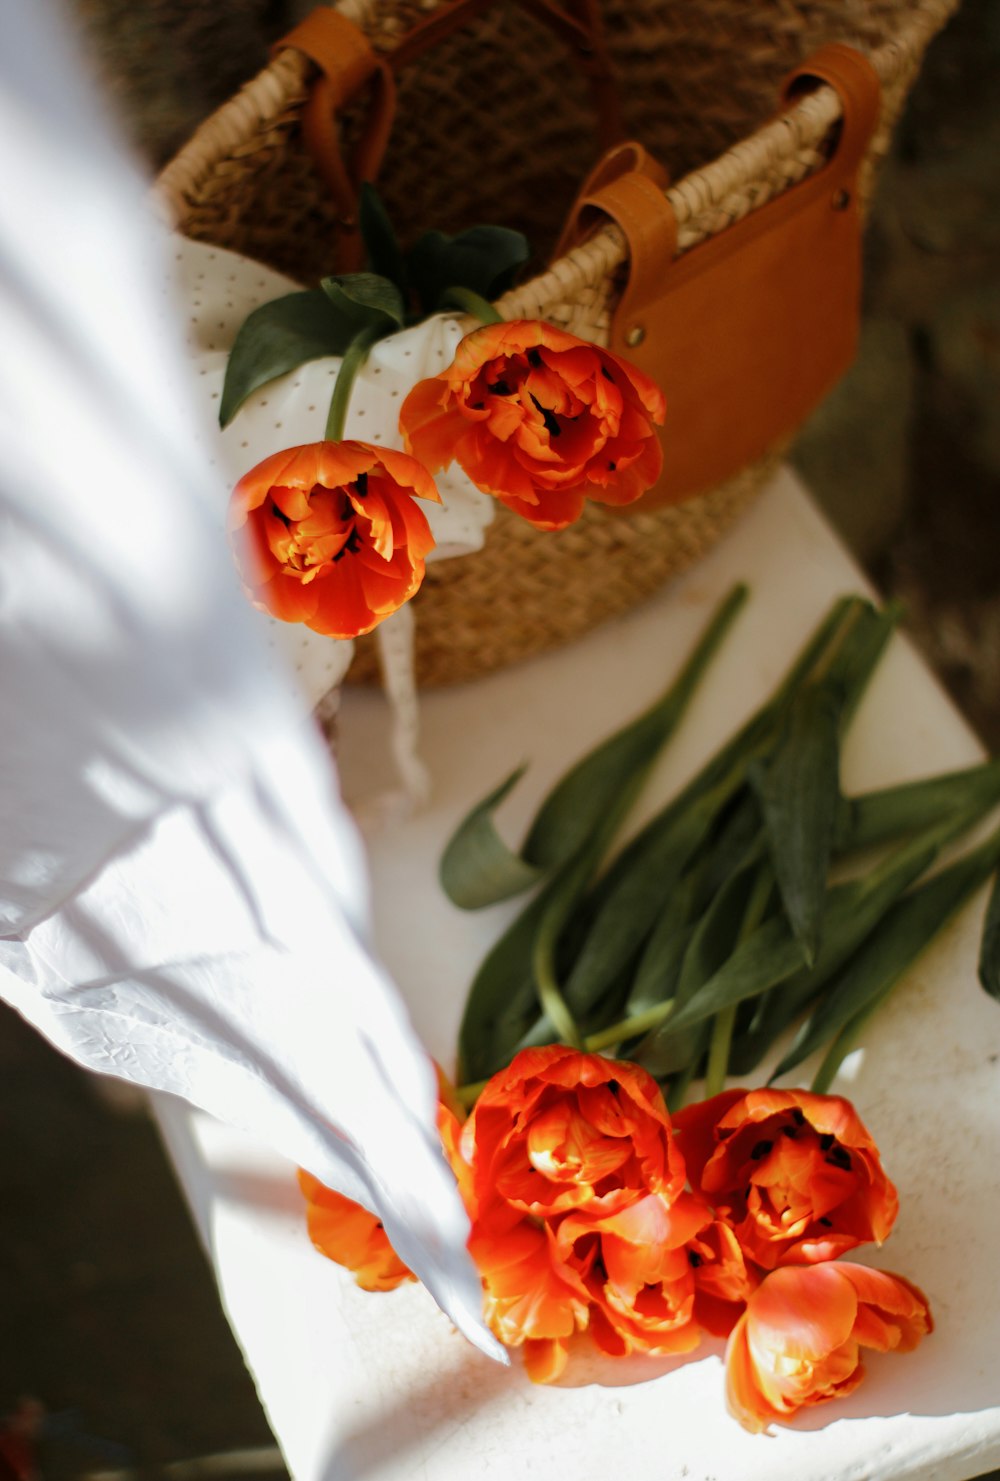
352, 1237
544, 1359
255, 486
288, 599
803, 1311
409, 474
341, 609
430, 423
902, 1306
336, 464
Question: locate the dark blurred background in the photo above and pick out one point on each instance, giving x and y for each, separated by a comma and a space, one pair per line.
109, 1317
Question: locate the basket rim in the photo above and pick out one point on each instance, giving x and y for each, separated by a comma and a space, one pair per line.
704, 201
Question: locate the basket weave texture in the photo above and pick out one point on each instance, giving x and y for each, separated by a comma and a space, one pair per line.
495, 125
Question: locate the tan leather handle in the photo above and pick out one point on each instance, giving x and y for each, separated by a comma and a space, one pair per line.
347, 63
628, 187
856, 82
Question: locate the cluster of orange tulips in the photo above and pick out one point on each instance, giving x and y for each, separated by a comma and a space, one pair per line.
596, 1220
330, 534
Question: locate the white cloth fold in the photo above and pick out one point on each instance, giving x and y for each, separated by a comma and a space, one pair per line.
182, 895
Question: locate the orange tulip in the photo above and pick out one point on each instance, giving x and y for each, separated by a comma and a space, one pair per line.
795, 1175
330, 535
799, 1341
540, 419
723, 1278
634, 1268
566, 1152
560, 1130
349, 1235
526, 1298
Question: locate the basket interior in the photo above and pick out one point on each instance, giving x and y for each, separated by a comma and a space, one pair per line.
496, 124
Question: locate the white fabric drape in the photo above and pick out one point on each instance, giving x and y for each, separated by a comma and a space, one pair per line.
182, 898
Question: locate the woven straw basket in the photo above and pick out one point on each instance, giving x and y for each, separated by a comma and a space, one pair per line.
493, 125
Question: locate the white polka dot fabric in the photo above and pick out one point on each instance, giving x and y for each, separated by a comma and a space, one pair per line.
217, 290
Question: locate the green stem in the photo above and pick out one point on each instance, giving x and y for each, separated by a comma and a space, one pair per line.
354, 357
629, 1028
471, 303
718, 1050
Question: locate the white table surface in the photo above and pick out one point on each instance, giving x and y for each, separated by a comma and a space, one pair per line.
379, 1386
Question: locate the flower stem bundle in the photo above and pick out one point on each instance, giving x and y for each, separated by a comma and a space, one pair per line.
738, 909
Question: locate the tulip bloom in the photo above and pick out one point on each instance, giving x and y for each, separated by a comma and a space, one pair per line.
573, 1178
349, 1235
540, 419
723, 1277
635, 1269
330, 534
795, 1175
560, 1130
799, 1342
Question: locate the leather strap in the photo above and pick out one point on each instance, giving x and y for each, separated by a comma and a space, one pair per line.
628, 185
347, 63
856, 82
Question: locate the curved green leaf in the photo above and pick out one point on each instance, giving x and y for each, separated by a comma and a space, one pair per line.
503, 1003
279, 337
477, 868
579, 820
898, 939
799, 791
589, 789
365, 301
483, 259
989, 950
480, 867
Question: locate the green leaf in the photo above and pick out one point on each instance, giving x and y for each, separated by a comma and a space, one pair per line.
772, 955
477, 868
659, 967
799, 789
748, 742
365, 301
483, 259
871, 975
709, 947
879, 816
503, 1001
384, 256
590, 789
628, 915
570, 834
279, 337
989, 950
863, 822
627, 901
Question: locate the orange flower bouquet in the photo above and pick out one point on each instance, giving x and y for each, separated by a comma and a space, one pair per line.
607, 1213
329, 534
